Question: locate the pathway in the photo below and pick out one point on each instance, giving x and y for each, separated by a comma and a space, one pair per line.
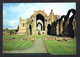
37, 47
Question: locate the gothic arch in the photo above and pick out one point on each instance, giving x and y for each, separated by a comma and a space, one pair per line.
40, 12
39, 18
71, 10
61, 20
39, 21
40, 25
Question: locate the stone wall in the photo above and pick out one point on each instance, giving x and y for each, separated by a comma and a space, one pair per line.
60, 26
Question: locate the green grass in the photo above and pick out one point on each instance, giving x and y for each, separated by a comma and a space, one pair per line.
23, 36
15, 36
39, 36
16, 45
61, 48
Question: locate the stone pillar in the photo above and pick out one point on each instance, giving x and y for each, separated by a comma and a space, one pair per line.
74, 27
46, 27
67, 22
34, 26
61, 27
57, 31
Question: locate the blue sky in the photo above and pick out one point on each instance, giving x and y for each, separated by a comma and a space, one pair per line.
13, 11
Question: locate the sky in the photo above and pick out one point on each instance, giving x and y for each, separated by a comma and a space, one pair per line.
13, 11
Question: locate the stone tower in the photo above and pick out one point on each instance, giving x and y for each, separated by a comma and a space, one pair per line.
51, 15
22, 27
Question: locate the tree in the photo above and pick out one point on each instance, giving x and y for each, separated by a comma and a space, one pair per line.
7, 30
11, 32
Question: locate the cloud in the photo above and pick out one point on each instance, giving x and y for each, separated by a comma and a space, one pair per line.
4, 12
10, 23
26, 10
12, 12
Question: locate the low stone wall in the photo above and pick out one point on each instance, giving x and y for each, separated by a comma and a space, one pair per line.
29, 38
22, 39
57, 38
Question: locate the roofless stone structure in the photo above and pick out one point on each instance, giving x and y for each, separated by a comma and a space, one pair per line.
39, 24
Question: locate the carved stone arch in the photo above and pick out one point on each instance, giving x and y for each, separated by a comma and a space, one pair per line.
40, 15
71, 10
40, 12
61, 20
68, 27
70, 19
40, 22
67, 16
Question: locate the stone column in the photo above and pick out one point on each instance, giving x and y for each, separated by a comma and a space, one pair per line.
74, 27
57, 31
46, 29
61, 27
34, 26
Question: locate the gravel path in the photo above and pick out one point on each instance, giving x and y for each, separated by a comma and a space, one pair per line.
37, 47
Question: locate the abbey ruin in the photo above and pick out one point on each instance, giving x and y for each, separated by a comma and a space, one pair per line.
39, 24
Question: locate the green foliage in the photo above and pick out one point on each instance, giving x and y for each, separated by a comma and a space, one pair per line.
7, 30
14, 31
61, 48
16, 45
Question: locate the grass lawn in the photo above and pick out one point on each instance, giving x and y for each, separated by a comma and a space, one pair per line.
15, 36
23, 36
16, 45
61, 48
39, 36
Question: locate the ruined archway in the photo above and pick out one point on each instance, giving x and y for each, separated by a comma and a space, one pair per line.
70, 27
30, 29
39, 26
40, 17
61, 20
49, 29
